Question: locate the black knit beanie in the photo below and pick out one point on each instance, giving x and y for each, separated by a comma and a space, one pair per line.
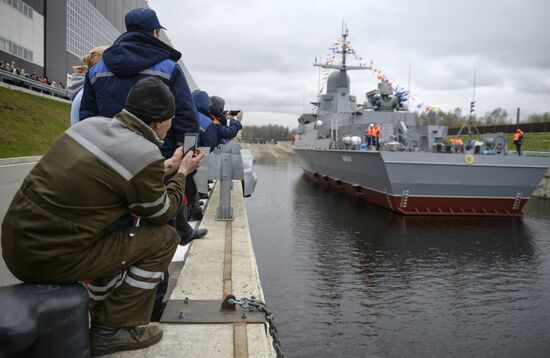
217, 106
151, 101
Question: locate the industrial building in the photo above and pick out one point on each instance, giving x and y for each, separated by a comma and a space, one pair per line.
48, 37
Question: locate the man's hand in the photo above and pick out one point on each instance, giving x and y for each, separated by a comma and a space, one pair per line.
172, 164
191, 162
239, 116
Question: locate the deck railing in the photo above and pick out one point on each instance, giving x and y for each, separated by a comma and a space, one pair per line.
540, 127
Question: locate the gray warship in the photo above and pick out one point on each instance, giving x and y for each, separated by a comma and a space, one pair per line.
415, 170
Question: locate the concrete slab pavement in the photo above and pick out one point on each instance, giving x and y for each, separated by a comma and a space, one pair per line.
202, 278
12, 173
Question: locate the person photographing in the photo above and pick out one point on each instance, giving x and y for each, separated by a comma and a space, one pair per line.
57, 228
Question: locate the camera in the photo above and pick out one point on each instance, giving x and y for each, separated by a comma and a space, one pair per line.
232, 113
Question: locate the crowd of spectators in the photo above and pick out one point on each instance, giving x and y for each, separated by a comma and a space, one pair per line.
16, 70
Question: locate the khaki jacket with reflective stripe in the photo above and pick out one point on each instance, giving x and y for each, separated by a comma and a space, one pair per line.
91, 175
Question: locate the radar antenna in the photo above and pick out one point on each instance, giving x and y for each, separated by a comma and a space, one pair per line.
344, 49
470, 122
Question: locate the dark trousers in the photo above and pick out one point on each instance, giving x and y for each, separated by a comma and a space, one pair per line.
127, 221
126, 298
518, 148
123, 269
192, 194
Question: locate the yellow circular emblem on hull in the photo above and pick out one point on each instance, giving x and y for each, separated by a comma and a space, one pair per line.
469, 159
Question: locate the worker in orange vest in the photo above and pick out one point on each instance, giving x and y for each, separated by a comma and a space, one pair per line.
369, 135
376, 136
518, 139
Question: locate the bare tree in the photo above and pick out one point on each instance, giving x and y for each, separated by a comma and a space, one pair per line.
265, 133
496, 116
537, 118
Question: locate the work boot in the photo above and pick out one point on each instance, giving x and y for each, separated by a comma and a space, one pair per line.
124, 339
196, 234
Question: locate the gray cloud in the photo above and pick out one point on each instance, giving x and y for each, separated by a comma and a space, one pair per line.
258, 54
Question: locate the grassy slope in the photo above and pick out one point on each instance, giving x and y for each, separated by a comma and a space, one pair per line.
29, 124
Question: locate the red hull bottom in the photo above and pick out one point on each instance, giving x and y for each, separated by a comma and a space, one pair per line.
428, 205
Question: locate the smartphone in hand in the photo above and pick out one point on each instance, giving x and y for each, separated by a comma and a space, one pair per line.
190, 142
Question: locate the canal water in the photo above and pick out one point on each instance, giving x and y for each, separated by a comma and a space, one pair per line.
348, 279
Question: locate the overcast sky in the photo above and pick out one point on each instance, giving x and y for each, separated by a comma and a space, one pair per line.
258, 54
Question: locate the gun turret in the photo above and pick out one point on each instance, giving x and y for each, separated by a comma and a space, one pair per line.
384, 99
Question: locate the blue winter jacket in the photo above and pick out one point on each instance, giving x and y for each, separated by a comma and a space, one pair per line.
227, 132
207, 130
133, 56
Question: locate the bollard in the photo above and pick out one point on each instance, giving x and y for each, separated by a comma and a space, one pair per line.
44, 320
226, 163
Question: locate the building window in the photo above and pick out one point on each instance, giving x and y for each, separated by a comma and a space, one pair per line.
16, 50
21, 7
87, 28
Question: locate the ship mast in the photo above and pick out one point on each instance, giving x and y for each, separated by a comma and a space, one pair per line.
470, 120
343, 50
344, 44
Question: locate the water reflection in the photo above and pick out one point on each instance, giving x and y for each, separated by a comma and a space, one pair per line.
349, 279
373, 240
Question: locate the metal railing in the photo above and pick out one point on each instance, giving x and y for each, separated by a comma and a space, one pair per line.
227, 163
535, 154
16, 80
540, 127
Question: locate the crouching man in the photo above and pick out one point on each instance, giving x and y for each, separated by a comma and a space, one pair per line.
56, 228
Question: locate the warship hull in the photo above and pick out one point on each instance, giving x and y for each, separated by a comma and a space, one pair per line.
423, 183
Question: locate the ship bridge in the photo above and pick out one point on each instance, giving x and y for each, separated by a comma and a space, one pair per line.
338, 98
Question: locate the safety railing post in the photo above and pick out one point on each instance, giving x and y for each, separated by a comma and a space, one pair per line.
224, 210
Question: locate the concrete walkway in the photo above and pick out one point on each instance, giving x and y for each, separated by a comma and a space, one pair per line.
205, 277
12, 173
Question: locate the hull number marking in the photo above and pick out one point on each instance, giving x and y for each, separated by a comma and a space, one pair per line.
346, 158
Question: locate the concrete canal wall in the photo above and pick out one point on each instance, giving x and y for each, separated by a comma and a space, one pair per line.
543, 190
222, 262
